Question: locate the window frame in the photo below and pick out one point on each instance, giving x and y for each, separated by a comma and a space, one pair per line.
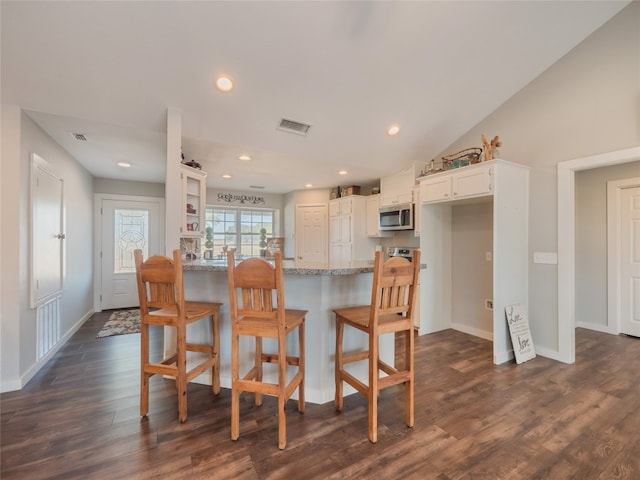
239, 238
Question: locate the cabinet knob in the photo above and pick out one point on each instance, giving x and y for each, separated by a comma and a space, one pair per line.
61, 236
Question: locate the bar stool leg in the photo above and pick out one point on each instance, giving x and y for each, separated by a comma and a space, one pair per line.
144, 376
181, 369
339, 365
215, 342
235, 392
258, 364
282, 396
301, 368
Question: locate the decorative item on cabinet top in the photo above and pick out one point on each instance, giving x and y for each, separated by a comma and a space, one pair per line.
463, 158
339, 192
192, 164
490, 150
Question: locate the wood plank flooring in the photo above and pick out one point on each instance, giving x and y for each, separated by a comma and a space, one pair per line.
78, 418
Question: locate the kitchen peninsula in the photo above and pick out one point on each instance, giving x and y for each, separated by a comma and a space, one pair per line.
317, 290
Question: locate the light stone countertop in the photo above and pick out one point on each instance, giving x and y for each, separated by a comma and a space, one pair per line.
218, 265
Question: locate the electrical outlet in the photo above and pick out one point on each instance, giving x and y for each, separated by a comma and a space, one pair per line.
488, 304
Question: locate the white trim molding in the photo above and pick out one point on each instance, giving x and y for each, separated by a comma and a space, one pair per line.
566, 241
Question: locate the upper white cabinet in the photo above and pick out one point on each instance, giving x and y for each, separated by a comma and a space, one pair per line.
194, 192
348, 241
466, 182
397, 188
373, 217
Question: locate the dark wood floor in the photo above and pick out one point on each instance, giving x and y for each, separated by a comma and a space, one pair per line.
78, 418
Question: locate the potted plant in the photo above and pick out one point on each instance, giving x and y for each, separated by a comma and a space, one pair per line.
209, 243
263, 242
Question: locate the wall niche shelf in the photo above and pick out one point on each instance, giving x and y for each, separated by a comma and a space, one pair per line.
505, 186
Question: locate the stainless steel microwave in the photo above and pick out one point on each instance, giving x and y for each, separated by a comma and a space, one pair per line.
396, 217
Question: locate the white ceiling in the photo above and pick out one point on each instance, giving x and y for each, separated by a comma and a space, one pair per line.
110, 70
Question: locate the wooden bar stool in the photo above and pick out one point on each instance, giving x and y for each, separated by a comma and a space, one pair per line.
391, 311
162, 302
258, 282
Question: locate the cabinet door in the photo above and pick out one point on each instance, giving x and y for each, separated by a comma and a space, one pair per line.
346, 206
335, 229
435, 189
334, 207
478, 181
340, 254
373, 216
345, 227
397, 188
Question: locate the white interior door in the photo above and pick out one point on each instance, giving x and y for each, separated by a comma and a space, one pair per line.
311, 236
125, 226
630, 261
47, 244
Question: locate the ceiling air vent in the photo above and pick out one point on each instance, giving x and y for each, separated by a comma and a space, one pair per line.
79, 136
293, 127
259, 187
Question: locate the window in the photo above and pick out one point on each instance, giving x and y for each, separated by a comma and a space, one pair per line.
131, 228
237, 228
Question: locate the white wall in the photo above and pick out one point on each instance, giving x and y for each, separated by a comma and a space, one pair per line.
591, 241
23, 137
127, 187
10, 211
471, 272
587, 103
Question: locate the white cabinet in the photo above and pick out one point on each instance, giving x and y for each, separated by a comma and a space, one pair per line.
498, 190
348, 241
397, 188
194, 191
466, 182
373, 217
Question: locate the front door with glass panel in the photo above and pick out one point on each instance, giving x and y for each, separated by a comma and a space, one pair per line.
126, 226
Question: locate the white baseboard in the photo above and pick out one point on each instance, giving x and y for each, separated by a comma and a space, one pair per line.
596, 327
19, 383
472, 331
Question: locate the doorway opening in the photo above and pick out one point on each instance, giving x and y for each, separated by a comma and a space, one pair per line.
566, 241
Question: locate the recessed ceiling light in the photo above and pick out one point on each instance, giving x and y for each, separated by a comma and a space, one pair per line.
393, 130
224, 83
124, 164
308, 185
244, 157
226, 175
342, 172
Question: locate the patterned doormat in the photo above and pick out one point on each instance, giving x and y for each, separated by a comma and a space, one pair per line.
121, 322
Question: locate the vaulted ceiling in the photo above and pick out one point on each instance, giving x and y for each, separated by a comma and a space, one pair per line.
110, 70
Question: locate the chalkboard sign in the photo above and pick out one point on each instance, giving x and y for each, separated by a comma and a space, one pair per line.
520, 334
